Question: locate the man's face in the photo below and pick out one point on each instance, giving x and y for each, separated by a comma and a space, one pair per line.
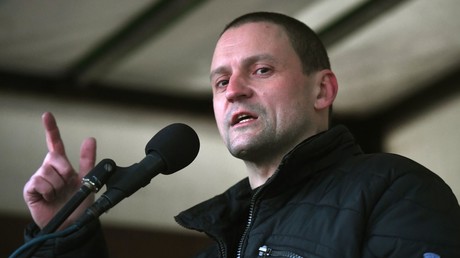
263, 102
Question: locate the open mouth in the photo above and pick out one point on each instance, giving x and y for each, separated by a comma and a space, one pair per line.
242, 118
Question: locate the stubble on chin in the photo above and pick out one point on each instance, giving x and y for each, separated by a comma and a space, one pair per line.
248, 146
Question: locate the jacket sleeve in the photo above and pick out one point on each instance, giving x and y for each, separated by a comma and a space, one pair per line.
416, 215
87, 242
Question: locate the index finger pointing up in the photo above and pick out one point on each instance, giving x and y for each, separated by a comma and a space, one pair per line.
53, 136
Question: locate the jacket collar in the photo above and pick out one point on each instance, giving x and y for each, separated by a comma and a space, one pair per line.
310, 157
313, 156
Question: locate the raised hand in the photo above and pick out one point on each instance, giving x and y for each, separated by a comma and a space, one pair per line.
55, 182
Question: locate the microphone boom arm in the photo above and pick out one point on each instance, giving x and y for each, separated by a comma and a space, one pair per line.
122, 184
92, 182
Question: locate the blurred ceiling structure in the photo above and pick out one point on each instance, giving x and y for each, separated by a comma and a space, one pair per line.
390, 55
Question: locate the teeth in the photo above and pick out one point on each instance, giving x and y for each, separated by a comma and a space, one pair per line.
243, 118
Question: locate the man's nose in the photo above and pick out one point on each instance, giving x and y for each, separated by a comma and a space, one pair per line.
238, 87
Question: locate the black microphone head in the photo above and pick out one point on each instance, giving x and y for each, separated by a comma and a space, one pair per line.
177, 144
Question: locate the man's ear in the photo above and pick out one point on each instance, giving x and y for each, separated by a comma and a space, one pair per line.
328, 88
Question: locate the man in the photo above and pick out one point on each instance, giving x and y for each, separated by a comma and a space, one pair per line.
310, 190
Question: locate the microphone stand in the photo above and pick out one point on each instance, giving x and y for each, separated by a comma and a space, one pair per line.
92, 182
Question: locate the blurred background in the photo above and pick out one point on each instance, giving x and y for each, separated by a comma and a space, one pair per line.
122, 70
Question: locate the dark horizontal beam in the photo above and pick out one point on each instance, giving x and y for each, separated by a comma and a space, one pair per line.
48, 86
355, 19
371, 129
424, 99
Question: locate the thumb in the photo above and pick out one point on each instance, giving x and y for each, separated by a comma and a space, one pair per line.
87, 156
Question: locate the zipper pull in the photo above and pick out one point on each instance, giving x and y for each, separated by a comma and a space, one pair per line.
264, 251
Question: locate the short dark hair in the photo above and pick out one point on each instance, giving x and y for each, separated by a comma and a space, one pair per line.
304, 40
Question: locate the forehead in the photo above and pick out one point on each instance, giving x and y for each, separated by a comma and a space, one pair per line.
256, 38
255, 29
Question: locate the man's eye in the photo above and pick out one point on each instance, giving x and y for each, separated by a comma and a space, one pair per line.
262, 70
221, 83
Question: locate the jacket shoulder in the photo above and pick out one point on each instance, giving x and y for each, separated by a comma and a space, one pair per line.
403, 178
412, 206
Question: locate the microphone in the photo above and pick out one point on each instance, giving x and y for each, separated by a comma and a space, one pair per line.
171, 149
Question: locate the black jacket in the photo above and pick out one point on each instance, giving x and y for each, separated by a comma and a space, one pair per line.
327, 199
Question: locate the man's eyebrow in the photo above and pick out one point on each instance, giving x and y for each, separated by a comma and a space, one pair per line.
218, 70
246, 62
262, 57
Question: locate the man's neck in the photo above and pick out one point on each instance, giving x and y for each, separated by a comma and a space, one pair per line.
259, 173
260, 170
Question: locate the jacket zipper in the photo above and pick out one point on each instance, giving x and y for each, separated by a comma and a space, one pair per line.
222, 249
251, 215
265, 251
248, 224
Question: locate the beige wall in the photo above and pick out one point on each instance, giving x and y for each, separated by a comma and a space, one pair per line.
432, 139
